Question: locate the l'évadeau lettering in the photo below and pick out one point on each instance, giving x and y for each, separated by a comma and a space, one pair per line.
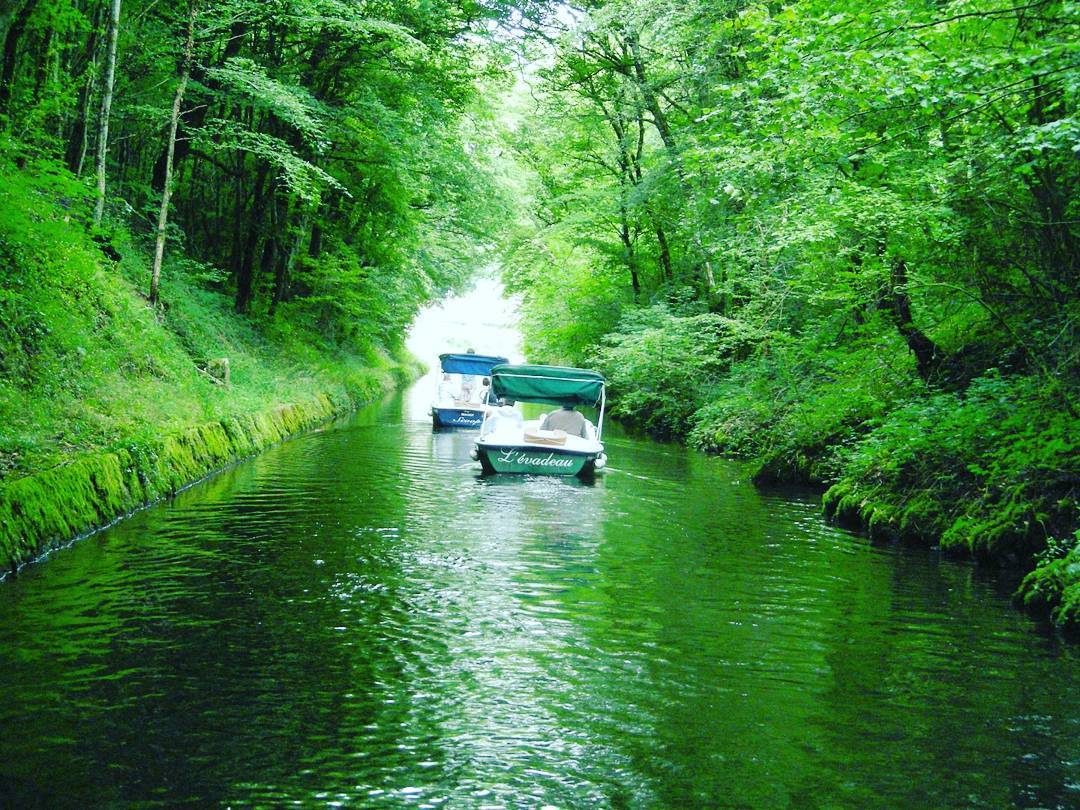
550, 460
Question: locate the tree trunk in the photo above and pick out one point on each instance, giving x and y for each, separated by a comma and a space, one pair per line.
1059, 248
637, 176
628, 247
268, 262
723, 301
285, 264
79, 141
106, 108
665, 253
245, 279
652, 101
663, 127
236, 252
41, 72
163, 213
11, 52
898, 303
707, 276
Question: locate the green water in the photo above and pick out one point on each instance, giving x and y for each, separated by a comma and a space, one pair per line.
357, 618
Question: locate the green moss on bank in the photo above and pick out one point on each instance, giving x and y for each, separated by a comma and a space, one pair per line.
42, 510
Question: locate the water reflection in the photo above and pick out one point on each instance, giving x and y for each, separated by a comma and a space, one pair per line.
358, 616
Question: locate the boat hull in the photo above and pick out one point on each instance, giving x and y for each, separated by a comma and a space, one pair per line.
456, 417
533, 460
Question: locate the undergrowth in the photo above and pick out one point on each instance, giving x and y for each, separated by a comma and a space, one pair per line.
86, 364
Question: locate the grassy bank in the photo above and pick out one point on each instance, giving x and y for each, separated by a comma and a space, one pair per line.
106, 403
989, 469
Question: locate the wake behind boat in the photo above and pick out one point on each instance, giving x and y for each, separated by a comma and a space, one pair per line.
454, 407
563, 442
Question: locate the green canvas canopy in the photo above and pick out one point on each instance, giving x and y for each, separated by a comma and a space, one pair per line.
556, 385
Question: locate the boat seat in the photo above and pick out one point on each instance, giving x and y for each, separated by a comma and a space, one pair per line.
549, 437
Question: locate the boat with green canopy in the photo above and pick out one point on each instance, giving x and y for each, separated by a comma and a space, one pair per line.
563, 442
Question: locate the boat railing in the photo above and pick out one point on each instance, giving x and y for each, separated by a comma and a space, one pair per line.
600, 419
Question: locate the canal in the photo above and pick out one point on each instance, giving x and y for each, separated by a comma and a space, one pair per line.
357, 618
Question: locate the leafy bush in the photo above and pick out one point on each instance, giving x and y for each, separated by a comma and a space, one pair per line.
661, 366
794, 407
1053, 588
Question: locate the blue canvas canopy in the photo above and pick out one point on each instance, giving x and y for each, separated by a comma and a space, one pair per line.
478, 364
555, 385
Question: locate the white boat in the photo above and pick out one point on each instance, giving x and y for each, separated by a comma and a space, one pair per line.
510, 444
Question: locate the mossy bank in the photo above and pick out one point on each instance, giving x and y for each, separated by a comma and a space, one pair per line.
107, 403
41, 511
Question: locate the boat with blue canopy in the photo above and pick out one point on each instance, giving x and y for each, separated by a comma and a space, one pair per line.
458, 402
563, 442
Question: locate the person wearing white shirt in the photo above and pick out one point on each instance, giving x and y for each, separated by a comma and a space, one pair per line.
445, 392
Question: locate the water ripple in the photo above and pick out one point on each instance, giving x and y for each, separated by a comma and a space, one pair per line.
357, 618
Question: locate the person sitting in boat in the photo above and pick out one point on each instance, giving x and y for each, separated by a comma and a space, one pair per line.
468, 382
568, 420
468, 387
487, 393
504, 417
446, 389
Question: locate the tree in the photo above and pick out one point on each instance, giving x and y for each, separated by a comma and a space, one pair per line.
106, 108
163, 214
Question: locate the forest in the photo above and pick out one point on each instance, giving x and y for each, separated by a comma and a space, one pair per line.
276, 186
840, 240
